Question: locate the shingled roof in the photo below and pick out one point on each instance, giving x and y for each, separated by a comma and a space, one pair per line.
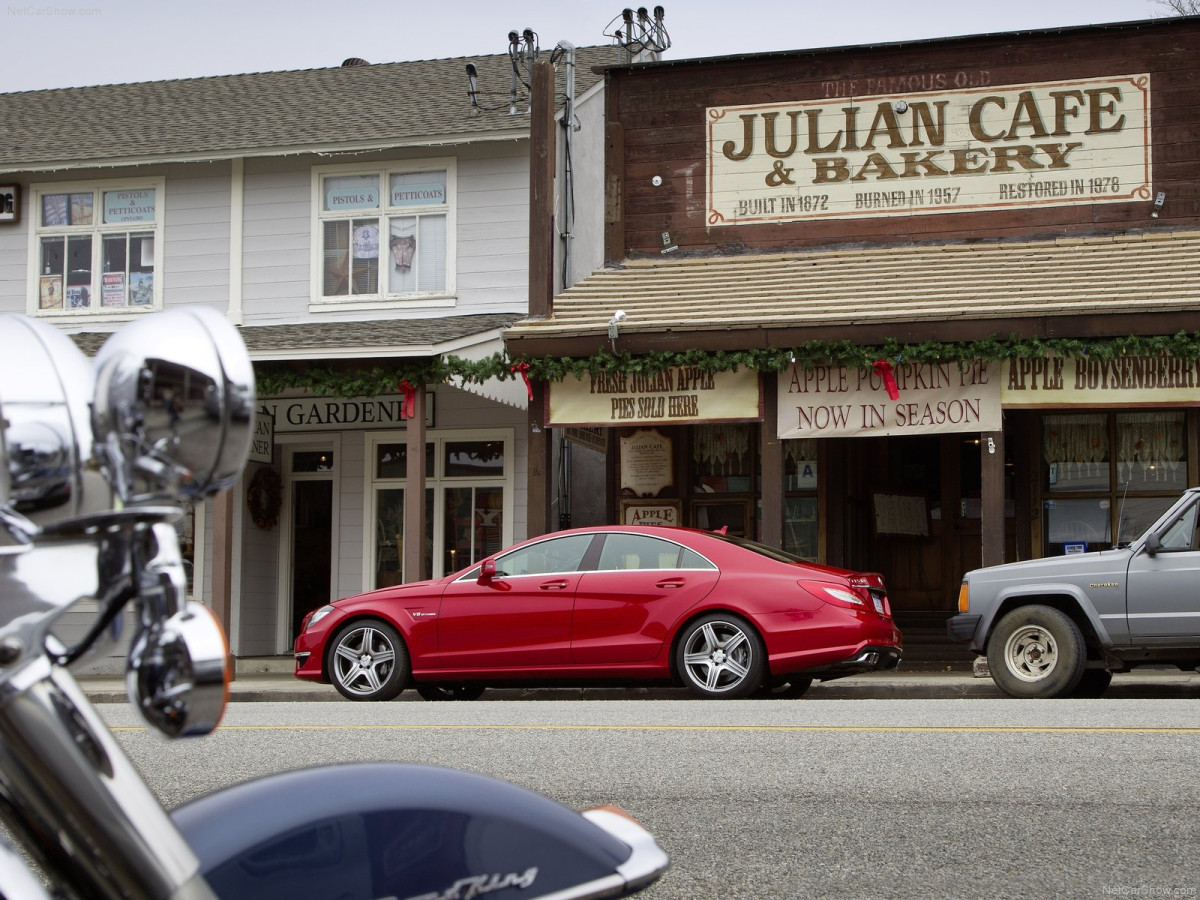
270, 113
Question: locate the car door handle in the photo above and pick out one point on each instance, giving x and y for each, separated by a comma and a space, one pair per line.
553, 585
671, 583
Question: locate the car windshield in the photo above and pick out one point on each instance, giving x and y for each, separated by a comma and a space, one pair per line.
755, 547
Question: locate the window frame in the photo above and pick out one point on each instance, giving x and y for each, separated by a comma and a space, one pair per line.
437, 482
318, 301
97, 231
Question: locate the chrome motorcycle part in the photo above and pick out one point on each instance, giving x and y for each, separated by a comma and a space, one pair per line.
173, 414
77, 802
46, 386
177, 675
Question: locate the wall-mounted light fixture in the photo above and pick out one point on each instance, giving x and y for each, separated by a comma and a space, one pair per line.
1159, 200
617, 318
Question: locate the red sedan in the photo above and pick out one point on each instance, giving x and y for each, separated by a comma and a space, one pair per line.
724, 616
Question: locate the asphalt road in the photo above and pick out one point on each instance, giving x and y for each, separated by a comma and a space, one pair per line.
771, 799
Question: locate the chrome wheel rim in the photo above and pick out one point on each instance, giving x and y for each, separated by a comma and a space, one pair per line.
1031, 653
717, 656
363, 660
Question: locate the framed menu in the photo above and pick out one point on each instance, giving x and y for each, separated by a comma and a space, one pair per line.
906, 515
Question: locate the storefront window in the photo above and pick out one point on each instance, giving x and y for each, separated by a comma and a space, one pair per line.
97, 247
474, 524
385, 233
800, 498
467, 491
1108, 476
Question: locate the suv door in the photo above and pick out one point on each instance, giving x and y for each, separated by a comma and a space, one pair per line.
1163, 587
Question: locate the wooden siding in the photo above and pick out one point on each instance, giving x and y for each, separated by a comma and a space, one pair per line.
659, 118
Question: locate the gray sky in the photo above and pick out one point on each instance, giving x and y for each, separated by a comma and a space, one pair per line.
69, 43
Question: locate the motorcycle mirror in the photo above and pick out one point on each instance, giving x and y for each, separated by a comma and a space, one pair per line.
177, 672
173, 412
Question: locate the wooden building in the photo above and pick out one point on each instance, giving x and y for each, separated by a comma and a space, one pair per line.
906, 307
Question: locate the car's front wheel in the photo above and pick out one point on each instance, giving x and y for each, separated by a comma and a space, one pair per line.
464, 691
1037, 651
721, 656
368, 661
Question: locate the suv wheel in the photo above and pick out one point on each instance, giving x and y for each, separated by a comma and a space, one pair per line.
1036, 651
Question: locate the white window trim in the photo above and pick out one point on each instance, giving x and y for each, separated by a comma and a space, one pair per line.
442, 299
99, 186
436, 481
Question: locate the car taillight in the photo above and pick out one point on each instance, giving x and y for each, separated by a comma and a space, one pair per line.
835, 594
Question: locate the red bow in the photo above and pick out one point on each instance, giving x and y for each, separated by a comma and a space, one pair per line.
523, 369
410, 400
884, 368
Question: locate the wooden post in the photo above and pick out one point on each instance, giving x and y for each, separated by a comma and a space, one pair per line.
991, 455
414, 490
541, 285
771, 490
222, 562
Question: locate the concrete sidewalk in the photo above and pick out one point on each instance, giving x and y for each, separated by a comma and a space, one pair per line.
270, 680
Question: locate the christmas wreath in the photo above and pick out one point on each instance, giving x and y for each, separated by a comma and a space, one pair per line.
265, 497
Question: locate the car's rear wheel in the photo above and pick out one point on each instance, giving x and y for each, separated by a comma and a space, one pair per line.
721, 656
451, 691
1036, 651
789, 688
368, 661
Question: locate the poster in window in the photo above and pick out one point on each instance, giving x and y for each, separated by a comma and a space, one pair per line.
147, 245
366, 242
54, 210
141, 288
50, 292
112, 289
79, 296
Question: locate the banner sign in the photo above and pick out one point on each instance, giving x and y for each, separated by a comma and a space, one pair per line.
1081, 381
900, 153
685, 394
932, 398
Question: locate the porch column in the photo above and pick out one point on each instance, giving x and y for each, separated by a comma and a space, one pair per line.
991, 465
222, 562
414, 490
771, 489
537, 477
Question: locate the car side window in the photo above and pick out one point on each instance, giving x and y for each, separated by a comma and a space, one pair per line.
637, 551
1182, 533
562, 554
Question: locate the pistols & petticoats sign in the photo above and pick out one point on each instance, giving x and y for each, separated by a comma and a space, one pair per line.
1026, 145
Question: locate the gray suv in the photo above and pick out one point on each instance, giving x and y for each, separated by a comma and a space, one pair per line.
1060, 626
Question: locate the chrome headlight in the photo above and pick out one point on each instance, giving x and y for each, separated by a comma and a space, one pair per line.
174, 408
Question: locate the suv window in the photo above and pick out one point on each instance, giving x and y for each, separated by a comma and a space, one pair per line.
1181, 533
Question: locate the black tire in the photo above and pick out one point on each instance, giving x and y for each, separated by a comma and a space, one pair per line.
789, 688
721, 656
368, 661
1093, 684
464, 691
1036, 651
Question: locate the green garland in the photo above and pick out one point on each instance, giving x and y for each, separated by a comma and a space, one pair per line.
322, 381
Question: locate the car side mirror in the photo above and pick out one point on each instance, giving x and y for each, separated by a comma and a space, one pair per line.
487, 571
1153, 544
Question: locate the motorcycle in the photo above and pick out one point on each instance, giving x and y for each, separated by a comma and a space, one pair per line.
96, 458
